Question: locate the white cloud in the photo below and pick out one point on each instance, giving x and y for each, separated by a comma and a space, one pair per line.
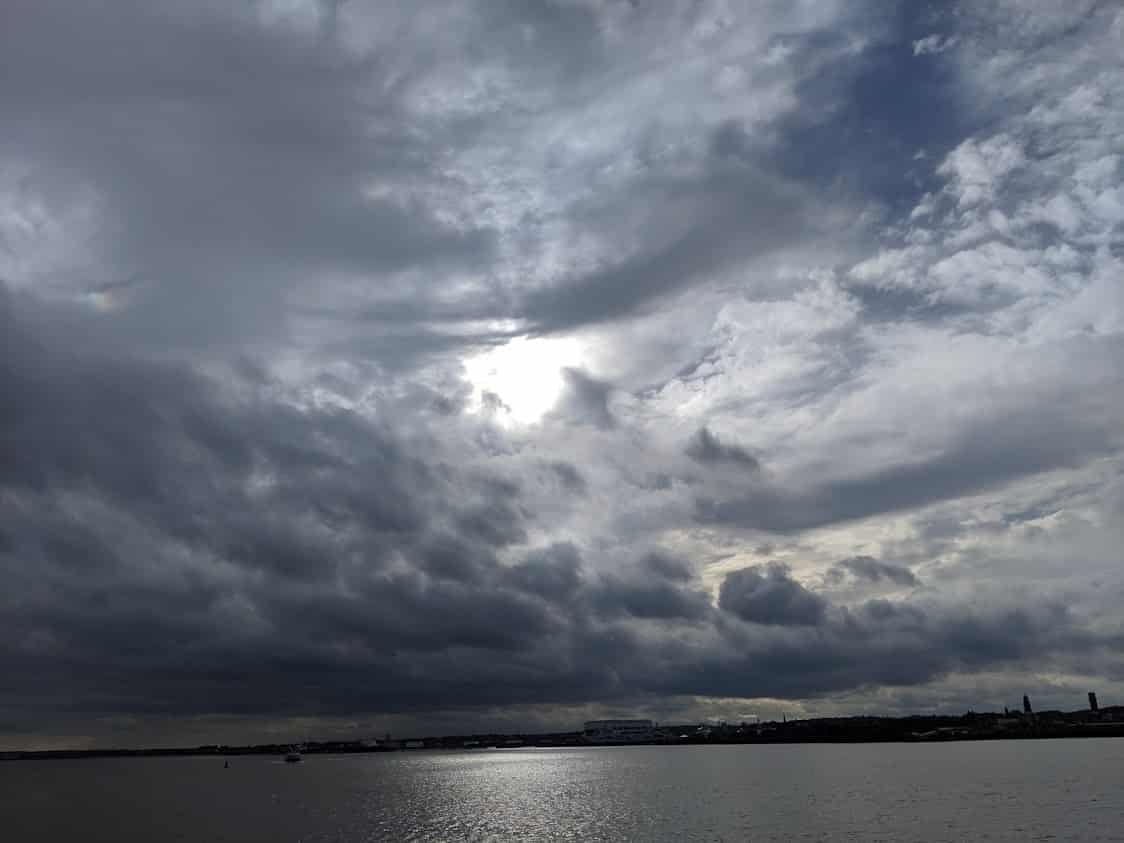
977, 170
934, 44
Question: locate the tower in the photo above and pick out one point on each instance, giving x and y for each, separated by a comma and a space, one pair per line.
1026, 705
1093, 701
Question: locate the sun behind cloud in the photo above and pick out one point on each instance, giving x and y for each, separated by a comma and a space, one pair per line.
526, 374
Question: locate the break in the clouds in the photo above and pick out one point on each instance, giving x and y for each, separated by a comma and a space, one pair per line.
424, 366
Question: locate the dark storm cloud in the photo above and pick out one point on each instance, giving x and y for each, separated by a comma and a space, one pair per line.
553, 573
766, 594
705, 447
654, 600
177, 542
447, 557
178, 546
242, 468
151, 511
888, 644
668, 567
871, 570
657, 587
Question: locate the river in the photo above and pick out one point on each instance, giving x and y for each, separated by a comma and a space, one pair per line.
1010, 790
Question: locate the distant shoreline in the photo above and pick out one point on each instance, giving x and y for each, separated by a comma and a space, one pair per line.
835, 730
66, 754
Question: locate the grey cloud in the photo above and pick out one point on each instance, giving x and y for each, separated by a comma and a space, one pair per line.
493, 402
543, 630
569, 476
666, 566
766, 594
658, 586
586, 400
705, 447
229, 160
241, 465
735, 215
447, 557
884, 610
992, 452
653, 599
254, 166
226, 516
553, 572
871, 570
270, 616
886, 644
498, 522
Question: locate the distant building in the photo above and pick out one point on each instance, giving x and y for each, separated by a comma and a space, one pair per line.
1093, 701
384, 742
1026, 705
619, 731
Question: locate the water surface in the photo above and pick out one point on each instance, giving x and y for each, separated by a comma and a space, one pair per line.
1011, 790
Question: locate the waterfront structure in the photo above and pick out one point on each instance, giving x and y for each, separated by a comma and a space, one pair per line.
1093, 701
384, 742
1026, 705
619, 731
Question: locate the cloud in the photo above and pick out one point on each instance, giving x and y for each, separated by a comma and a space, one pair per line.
586, 400
569, 476
653, 600
188, 196
871, 570
933, 44
836, 288
668, 567
716, 203
768, 595
888, 644
704, 447
999, 450
553, 572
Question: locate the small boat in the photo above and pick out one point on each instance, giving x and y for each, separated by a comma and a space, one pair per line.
293, 757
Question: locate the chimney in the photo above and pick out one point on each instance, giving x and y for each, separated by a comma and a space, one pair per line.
1093, 701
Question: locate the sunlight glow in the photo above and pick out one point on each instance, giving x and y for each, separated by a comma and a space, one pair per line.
526, 374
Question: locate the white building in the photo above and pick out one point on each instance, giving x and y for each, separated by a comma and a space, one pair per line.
619, 731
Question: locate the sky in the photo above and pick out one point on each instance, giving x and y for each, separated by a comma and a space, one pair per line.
372, 366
